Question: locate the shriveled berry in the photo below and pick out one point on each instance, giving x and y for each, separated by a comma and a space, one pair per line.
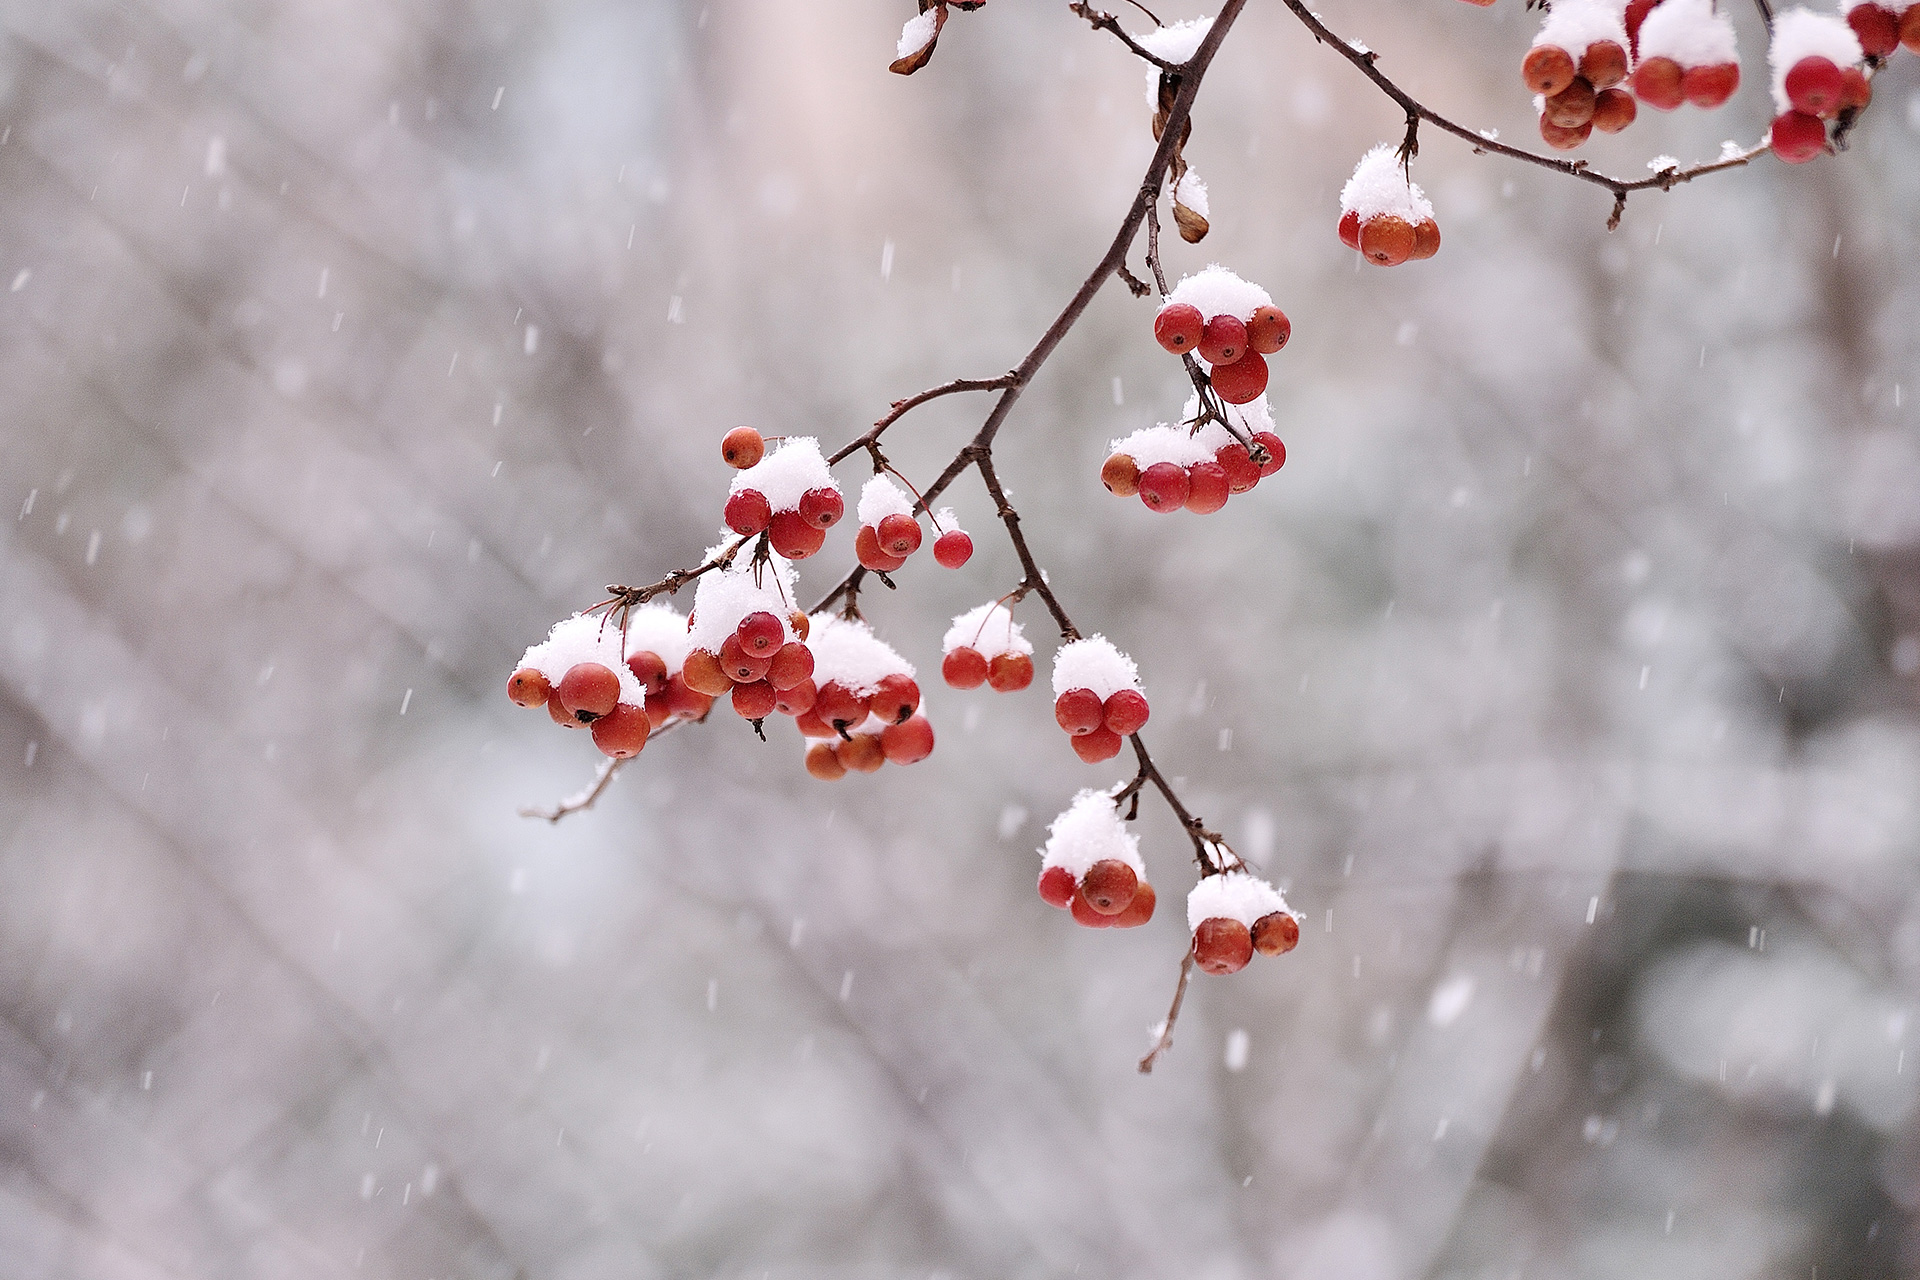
1547, 69
1604, 64
703, 673
1242, 381
742, 447
622, 732
908, 742
867, 550
1613, 110
795, 699
953, 548
793, 537
1139, 911
838, 705
1222, 946
822, 508
1275, 934
755, 700
1207, 485
1350, 229
894, 698
1877, 28
1797, 137
742, 667
1269, 330
760, 633
823, 764
792, 663
1233, 458
1223, 340
1572, 107
1109, 885
963, 668
1386, 241
747, 512
1101, 744
1710, 86
1010, 672
1813, 86
1125, 711
1121, 474
528, 688
899, 535
1562, 139
1079, 711
1163, 486
862, 753
1426, 240
1178, 327
1085, 916
1056, 886
1276, 452
589, 690
1660, 83
649, 668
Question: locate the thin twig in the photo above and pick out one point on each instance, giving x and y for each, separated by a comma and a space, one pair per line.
1036, 580
584, 800
1164, 1041
1107, 22
900, 409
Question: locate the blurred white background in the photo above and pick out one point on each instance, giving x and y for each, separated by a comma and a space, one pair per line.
1566, 676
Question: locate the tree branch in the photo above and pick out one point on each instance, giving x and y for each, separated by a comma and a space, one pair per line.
1164, 1041
1107, 22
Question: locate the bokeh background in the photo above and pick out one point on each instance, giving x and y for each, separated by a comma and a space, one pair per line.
1565, 678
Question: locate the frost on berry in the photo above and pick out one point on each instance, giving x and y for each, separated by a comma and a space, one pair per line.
1216, 291
725, 598
1094, 664
1056, 886
1386, 206
788, 474
852, 667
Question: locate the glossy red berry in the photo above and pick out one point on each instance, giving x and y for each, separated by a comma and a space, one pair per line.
1268, 330
1710, 86
823, 764
1125, 711
1224, 340
1085, 916
1121, 474
1660, 83
1276, 452
1242, 381
622, 731
683, 701
1572, 107
908, 742
1109, 885
791, 663
862, 753
1614, 110
1079, 711
589, 690
1101, 744
1426, 240
1856, 91
742, 667
562, 716
822, 508
868, 551
1178, 327
1350, 229
1797, 137
810, 725
1056, 886
894, 698
1561, 138
1010, 672
795, 699
1242, 475
1207, 484
1547, 69
649, 668
1163, 486
793, 537
899, 535
703, 674
1386, 241
1139, 911
1813, 86
1877, 28
953, 548
747, 512
742, 447
963, 668
755, 700
839, 706
528, 688
1222, 946
760, 633
1910, 29
1275, 934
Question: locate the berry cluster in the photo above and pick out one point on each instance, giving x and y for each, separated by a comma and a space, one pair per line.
889, 532
745, 639
1232, 915
1882, 28
984, 646
1576, 67
1230, 324
622, 683
866, 711
1198, 469
1817, 74
1684, 52
1091, 866
1383, 214
789, 495
1096, 697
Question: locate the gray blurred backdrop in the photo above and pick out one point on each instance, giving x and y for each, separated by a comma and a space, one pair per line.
1566, 677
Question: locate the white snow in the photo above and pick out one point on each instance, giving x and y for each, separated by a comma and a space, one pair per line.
1192, 192
1218, 291
1176, 43
1177, 445
1093, 663
725, 596
1800, 33
1573, 25
1379, 186
1689, 32
1088, 831
1232, 895
880, 498
658, 628
584, 638
788, 472
846, 650
988, 630
917, 34
947, 522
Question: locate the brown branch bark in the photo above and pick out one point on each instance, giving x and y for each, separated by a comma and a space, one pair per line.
1164, 1041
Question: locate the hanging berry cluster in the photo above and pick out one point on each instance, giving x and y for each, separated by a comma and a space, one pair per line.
1383, 214
1096, 697
985, 646
1091, 866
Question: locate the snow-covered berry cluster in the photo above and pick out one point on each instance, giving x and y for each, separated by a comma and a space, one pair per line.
1684, 52
1198, 469
1235, 913
984, 646
889, 531
1091, 866
746, 639
1230, 323
1816, 63
1576, 67
621, 684
1384, 214
1884, 25
1096, 697
788, 494
865, 712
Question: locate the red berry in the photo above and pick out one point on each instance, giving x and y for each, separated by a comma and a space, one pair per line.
908, 742
1910, 29
1564, 139
1798, 137
867, 550
1878, 29
1711, 86
822, 508
1178, 327
622, 731
1386, 241
823, 764
528, 688
1572, 107
754, 700
1813, 86
1207, 484
1101, 744
1163, 486
1269, 330
862, 753
1109, 885
795, 699
747, 512
1613, 110
1139, 911
810, 725
963, 668
952, 549
899, 535
561, 716
1275, 934
1010, 672
1079, 711
1222, 946
1085, 916
703, 673
1426, 240
793, 537
760, 633
1125, 711
1659, 82
839, 706
742, 447
1350, 229
1856, 91
742, 667
684, 701
1547, 69
1223, 340
1604, 64
1121, 474
1056, 886
1243, 380
1242, 475
649, 668
791, 664
894, 698
1637, 11
589, 691
1276, 452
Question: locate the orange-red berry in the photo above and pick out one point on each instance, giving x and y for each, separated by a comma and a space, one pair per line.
1109, 885
1710, 86
1386, 241
823, 764
760, 633
1101, 744
1813, 86
791, 663
1125, 711
742, 667
793, 537
1604, 64
1223, 340
742, 447
747, 512
1269, 330
1222, 946
1242, 381
871, 555
622, 731
964, 668
1234, 459
1547, 69
953, 548
795, 699
862, 753
822, 508
589, 690
1562, 139
894, 698
1276, 452
649, 668
1085, 916
1910, 29
1121, 474
1613, 110
754, 700
1163, 486
899, 535
1797, 137
1660, 83
1350, 229
528, 688
1079, 711
703, 673
1207, 484
1056, 886
561, 716
1877, 28
1856, 91
1178, 327
1572, 107
1426, 240
1275, 934
908, 742
1010, 672
1139, 911
839, 706
800, 623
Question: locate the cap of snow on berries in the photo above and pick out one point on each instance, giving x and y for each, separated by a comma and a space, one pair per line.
1217, 291
787, 474
846, 652
880, 497
988, 630
587, 638
1177, 445
1379, 187
1090, 830
1799, 34
1575, 25
1690, 32
1176, 42
1094, 663
658, 629
1233, 895
725, 596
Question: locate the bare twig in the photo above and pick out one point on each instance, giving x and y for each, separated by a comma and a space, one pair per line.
1036, 579
584, 799
1107, 22
900, 409
1164, 1041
